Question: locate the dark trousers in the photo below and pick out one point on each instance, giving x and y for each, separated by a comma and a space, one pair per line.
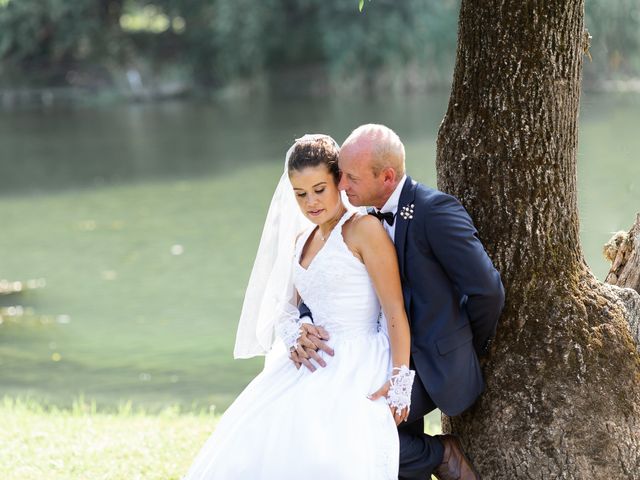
420, 454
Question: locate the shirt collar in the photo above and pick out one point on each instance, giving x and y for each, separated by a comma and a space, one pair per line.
394, 199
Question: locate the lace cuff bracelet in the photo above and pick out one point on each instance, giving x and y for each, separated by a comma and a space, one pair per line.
399, 395
289, 332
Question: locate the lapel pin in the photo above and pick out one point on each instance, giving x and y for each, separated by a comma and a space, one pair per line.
407, 211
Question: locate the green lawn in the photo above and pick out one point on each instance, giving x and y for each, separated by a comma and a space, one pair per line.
40, 442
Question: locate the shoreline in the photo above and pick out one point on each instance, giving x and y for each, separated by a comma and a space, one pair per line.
16, 98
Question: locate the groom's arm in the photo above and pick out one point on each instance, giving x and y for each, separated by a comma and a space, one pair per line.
305, 313
454, 241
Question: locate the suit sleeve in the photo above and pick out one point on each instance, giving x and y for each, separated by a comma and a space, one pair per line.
305, 313
455, 243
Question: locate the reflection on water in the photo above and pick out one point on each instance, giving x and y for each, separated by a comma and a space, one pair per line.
144, 221
86, 147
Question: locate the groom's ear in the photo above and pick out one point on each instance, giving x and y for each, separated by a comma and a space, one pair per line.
388, 176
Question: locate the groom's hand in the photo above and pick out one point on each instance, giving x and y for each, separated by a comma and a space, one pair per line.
312, 338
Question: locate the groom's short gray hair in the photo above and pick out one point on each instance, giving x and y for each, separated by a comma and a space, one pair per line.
384, 144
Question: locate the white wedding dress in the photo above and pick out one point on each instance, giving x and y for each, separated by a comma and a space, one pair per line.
292, 424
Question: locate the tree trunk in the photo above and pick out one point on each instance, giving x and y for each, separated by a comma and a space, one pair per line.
563, 380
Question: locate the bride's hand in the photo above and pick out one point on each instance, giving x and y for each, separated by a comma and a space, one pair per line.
399, 416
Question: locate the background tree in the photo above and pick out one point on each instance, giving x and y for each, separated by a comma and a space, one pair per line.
563, 381
52, 36
399, 46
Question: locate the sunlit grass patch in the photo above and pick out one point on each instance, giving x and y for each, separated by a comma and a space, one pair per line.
44, 442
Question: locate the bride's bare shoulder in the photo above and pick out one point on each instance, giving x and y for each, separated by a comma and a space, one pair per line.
364, 226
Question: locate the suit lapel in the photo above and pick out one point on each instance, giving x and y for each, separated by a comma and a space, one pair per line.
406, 199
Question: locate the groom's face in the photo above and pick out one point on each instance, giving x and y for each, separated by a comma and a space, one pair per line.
362, 187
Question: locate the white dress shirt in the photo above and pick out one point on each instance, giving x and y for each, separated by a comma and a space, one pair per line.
392, 206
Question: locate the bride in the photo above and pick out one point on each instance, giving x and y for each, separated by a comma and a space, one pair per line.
293, 423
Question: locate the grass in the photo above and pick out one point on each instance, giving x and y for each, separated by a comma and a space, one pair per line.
43, 442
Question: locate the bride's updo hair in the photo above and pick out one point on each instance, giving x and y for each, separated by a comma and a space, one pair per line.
314, 150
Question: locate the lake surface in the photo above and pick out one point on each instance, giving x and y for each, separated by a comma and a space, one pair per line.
144, 221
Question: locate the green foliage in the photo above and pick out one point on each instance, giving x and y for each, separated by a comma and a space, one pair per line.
189, 40
51, 31
389, 35
276, 34
248, 34
218, 41
222, 40
615, 28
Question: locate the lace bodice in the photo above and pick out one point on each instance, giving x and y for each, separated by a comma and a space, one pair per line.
336, 286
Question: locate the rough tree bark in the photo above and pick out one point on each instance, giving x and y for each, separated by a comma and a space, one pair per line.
563, 379
623, 251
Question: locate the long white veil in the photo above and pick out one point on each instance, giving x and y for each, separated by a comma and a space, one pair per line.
270, 293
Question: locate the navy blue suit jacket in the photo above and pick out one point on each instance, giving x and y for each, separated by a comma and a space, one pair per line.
452, 294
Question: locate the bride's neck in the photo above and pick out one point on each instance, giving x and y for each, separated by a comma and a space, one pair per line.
326, 227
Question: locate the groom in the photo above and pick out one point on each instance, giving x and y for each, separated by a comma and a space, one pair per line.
452, 294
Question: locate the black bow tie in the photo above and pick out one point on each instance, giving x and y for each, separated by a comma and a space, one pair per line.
388, 217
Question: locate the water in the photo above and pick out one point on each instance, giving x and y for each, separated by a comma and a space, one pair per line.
144, 220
